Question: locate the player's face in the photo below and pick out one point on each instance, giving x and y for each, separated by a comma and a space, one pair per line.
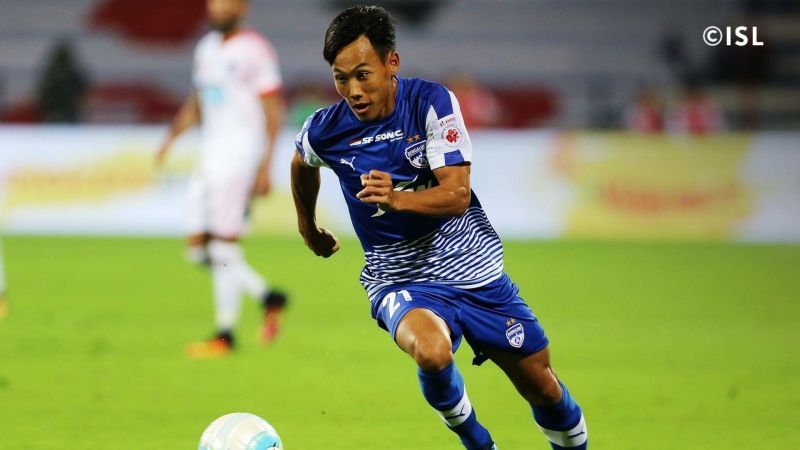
365, 81
225, 15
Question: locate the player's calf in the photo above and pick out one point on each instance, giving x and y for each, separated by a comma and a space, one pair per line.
562, 423
426, 338
445, 392
557, 415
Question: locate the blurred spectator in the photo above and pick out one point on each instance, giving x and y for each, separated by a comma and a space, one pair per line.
479, 106
672, 48
62, 86
646, 114
697, 113
308, 98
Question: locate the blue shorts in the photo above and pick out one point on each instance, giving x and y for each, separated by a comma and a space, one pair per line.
491, 317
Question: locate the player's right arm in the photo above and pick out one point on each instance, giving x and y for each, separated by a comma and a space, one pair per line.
305, 189
187, 117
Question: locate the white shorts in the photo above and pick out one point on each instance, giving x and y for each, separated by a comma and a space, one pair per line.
218, 202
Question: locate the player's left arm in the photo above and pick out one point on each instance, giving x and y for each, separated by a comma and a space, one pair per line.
274, 111
266, 81
449, 199
448, 151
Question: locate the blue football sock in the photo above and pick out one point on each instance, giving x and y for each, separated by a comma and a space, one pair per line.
445, 392
563, 423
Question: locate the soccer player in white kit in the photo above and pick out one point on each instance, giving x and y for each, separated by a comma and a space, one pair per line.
236, 100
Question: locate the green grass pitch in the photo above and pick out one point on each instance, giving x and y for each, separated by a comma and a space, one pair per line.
666, 346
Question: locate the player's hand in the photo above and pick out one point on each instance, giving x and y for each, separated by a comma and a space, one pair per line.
322, 242
263, 183
378, 189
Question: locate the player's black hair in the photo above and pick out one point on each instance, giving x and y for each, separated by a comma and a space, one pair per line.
373, 22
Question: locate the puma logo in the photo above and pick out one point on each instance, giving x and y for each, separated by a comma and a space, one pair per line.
348, 163
573, 436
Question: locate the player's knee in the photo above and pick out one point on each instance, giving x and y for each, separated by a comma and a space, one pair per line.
546, 392
224, 253
432, 355
550, 393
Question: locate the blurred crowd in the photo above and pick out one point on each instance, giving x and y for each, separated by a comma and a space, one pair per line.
724, 90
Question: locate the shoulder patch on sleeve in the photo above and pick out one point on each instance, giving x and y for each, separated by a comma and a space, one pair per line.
448, 142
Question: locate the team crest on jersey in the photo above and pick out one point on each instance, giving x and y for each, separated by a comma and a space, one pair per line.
452, 136
416, 155
516, 335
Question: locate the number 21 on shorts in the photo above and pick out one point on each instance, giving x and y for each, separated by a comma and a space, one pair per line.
390, 301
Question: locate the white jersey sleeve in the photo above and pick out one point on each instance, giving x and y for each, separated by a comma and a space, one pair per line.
303, 144
448, 143
201, 51
266, 78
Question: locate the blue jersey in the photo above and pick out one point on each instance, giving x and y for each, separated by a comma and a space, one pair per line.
424, 132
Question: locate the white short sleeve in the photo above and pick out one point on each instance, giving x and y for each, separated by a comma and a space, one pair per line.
303, 146
448, 143
266, 76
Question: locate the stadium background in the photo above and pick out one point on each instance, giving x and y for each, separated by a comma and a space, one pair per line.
663, 263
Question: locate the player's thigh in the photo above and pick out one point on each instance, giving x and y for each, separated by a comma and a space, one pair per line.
229, 198
418, 320
532, 375
196, 212
422, 327
508, 327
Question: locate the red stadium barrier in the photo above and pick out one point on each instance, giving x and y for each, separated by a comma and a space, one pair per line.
150, 21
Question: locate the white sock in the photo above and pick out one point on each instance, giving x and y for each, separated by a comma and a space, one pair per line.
252, 282
574, 437
227, 290
249, 280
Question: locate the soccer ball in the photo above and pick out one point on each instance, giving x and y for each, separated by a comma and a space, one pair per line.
240, 431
